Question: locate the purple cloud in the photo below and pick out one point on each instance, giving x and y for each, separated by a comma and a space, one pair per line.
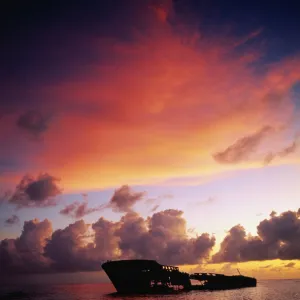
242, 148
14, 219
36, 192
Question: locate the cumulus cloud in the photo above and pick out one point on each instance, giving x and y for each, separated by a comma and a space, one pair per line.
26, 253
14, 219
33, 122
242, 148
82, 247
163, 237
106, 239
36, 192
69, 249
278, 237
124, 199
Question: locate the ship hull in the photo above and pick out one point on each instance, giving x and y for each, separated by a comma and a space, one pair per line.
149, 277
144, 277
222, 282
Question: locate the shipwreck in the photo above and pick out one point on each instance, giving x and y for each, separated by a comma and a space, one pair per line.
150, 277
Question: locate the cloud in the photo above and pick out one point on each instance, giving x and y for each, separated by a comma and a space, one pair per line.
242, 148
265, 267
14, 219
78, 210
26, 253
106, 239
288, 150
282, 153
33, 122
163, 237
82, 247
269, 158
69, 250
36, 192
209, 201
278, 237
153, 119
124, 199
156, 202
155, 208
290, 265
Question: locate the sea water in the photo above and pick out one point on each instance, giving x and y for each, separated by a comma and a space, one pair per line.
265, 290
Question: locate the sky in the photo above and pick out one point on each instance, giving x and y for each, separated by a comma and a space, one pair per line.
165, 130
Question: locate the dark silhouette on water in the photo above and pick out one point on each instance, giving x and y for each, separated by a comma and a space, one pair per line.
150, 277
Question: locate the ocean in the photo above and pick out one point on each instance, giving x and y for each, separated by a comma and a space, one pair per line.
265, 290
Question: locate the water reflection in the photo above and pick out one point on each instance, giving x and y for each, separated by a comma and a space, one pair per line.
273, 290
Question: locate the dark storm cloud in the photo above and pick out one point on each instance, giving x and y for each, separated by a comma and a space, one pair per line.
14, 219
33, 122
242, 148
278, 237
36, 192
124, 198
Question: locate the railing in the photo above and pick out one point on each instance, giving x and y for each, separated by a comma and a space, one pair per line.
170, 268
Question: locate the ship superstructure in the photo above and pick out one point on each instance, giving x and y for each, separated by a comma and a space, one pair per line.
143, 276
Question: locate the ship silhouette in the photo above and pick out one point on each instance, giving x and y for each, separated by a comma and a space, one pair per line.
149, 277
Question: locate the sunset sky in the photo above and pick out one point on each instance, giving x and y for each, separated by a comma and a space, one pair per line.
167, 130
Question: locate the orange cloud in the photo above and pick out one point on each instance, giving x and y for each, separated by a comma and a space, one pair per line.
159, 106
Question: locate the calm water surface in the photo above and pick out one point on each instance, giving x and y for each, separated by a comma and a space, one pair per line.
271, 290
